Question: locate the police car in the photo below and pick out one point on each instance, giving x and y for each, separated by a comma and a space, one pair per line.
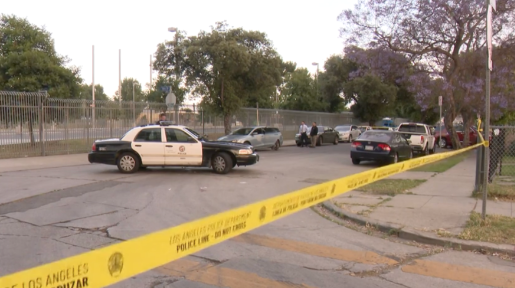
170, 145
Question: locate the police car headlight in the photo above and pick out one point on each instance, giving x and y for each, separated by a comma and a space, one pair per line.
245, 151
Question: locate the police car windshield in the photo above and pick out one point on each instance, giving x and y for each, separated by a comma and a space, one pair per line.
194, 133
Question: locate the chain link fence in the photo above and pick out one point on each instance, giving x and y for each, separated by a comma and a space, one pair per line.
33, 124
502, 154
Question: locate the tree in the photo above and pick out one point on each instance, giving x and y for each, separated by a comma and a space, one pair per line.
430, 33
100, 95
331, 83
226, 67
131, 89
298, 92
372, 98
29, 62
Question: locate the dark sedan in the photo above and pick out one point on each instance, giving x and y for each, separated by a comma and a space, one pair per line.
380, 146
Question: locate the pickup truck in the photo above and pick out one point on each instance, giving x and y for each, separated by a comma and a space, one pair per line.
420, 136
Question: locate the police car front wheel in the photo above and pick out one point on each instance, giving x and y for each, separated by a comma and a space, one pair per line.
222, 163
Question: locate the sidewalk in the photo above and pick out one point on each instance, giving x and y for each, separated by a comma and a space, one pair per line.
441, 205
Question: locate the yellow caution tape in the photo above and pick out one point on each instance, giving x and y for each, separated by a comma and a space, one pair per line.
112, 264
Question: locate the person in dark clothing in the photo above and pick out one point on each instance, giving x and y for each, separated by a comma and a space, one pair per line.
314, 135
162, 117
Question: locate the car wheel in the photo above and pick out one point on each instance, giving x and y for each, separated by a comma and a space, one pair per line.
442, 143
320, 141
298, 144
276, 145
395, 158
426, 150
247, 142
221, 163
410, 155
128, 163
355, 161
336, 140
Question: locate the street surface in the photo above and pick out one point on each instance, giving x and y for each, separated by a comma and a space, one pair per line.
50, 213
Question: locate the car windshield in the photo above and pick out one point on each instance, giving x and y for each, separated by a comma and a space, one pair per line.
242, 131
342, 128
376, 136
412, 128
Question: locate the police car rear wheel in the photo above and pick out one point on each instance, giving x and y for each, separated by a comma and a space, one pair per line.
222, 163
128, 163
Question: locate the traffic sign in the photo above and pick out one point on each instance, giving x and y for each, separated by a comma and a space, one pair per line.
440, 100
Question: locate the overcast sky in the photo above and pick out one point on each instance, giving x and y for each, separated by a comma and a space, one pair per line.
301, 31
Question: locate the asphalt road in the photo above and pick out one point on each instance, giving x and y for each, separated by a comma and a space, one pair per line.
51, 213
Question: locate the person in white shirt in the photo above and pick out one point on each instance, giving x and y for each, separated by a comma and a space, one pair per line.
303, 129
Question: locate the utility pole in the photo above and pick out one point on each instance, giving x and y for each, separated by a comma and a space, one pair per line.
93, 84
150, 83
133, 104
120, 76
440, 102
490, 5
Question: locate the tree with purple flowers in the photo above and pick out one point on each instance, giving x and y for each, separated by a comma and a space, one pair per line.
436, 36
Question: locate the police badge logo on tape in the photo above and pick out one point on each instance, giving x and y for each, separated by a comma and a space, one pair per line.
182, 149
115, 264
262, 214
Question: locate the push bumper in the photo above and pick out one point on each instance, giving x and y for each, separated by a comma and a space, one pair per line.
102, 158
245, 160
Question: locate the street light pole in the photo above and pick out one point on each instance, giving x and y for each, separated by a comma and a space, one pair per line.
316, 78
93, 83
176, 106
120, 76
133, 104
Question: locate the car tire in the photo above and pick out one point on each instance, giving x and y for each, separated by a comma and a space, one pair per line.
320, 141
426, 150
247, 142
442, 143
410, 155
336, 140
127, 163
395, 159
276, 145
356, 161
298, 144
221, 163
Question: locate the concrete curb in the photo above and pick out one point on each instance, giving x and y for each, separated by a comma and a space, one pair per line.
419, 236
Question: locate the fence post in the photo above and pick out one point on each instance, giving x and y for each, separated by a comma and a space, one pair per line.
479, 157
66, 136
110, 123
41, 126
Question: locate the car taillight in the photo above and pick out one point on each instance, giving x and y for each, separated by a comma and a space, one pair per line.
356, 144
421, 139
384, 147
94, 147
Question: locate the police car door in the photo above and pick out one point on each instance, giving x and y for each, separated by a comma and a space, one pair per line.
182, 149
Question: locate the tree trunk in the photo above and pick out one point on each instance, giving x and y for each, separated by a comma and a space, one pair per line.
467, 122
449, 119
227, 123
371, 123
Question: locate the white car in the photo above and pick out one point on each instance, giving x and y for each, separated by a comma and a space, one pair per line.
348, 132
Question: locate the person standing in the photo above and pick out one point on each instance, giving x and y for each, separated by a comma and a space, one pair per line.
314, 135
303, 129
162, 117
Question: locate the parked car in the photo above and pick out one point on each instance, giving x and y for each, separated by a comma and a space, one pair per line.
382, 128
421, 137
381, 146
348, 132
444, 141
363, 129
326, 134
260, 137
169, 145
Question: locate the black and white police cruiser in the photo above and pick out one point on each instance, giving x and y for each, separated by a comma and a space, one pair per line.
167, 144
